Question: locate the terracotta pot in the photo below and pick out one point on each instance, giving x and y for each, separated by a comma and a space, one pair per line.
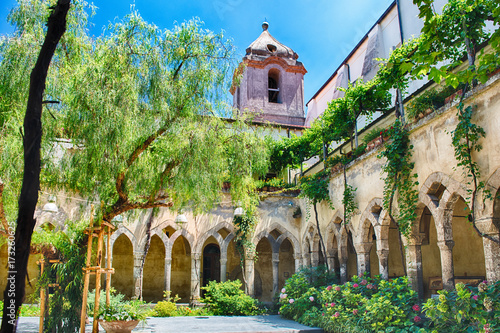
428, 111
119, 326
420, 115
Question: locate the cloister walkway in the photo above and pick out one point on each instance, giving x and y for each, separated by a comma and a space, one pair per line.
261, 324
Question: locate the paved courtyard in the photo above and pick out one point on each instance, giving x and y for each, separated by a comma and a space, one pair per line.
214, 324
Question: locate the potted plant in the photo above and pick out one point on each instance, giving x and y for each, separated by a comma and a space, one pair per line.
122, 317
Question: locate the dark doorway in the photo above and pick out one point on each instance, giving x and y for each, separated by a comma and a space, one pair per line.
211, 264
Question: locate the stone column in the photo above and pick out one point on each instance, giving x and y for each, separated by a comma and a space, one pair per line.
491, 249
195, 277
383, 263
298, 262
168, 273
414, 268
137, 274
331, 262
447, 275
363, 254
343, 253
223, 269
250, 274
314, 258
276, 262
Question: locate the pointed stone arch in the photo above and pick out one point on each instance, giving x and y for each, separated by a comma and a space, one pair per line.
181, 232
122, 230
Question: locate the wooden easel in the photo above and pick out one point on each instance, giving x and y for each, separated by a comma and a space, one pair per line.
98, 232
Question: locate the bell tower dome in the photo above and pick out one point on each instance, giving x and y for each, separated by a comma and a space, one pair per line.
272, 85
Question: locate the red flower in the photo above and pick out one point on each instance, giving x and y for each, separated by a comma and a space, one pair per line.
355, 311
355, 285
417, 319
337, 314
329, 288
416, 307
475, 297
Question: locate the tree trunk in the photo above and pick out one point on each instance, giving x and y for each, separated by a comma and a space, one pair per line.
145, 252
20, 249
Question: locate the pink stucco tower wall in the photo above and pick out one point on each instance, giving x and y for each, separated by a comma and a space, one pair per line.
272, 85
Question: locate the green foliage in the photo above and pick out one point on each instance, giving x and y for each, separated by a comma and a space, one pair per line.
362, 305
465, 309
273, 182
458, 31
169, 308
350, 206
430, 99
115, 299
131, 310
68, 297
244, 230
227, 299
165, 309
146, 130
315, 187
372, 134
399, 181
465, 140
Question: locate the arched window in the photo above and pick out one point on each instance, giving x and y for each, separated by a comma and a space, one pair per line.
273, 86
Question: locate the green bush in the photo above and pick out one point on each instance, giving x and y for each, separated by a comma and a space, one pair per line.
130, 310
361, 305
227, 299
465, 309
165, 309
430, 99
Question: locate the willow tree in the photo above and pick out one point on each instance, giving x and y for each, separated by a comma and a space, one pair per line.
142, 111
21, 87
138, 115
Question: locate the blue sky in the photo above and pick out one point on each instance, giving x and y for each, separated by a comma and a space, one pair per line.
322, 32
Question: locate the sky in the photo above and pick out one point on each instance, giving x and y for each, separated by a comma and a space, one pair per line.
321, 32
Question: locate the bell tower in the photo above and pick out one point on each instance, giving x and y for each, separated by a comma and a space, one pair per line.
272, 85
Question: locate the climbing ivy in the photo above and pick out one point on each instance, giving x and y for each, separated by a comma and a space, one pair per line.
245, 228
399, 181
350, 206
315, 189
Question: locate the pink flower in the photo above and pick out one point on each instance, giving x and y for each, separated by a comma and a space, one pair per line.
475, 297
283, 296
332, 304
311, 299
291, 300
417, 319
283, 290
416, 307
337, 314
355, 285
329, 288
337, 288
369, 286
322, 313
355, 311
486, 328
364, 282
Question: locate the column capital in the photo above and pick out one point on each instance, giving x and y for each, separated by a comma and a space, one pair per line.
446, 245
488, 225
223, 260
363, 248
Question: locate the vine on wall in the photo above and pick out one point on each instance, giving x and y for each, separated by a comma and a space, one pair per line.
400, 182
315, 189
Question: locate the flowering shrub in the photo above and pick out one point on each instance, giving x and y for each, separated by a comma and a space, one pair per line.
465, 309
361, 305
